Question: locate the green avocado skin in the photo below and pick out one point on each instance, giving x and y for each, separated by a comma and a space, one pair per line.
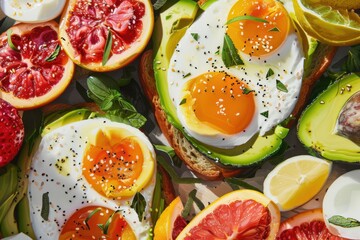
317, 124
169, 29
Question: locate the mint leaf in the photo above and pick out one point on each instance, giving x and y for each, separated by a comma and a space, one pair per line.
245, 17
344, 222
139, 204
230, 55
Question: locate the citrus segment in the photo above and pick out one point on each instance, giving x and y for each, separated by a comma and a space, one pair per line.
170, 222
296, 180
306, 225
342, 4
106, 35
35, 70
334, 26
241, 214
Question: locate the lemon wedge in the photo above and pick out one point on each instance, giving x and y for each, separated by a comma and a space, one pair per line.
296, 180
331, 23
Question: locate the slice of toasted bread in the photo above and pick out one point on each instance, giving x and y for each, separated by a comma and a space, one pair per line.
202, 166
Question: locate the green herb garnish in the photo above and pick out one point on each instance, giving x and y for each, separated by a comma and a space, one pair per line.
107, 48
176, 161
269, 73
54, 54
195, 36
187, 75
344, 222
275, 29
139, 204
245, 17
10, 43
191, 199
230, 55
183, 101
280, 86
104, 91
45, 208
246, 91
105, 227
352, 63
265, 114
90, 216
236, 183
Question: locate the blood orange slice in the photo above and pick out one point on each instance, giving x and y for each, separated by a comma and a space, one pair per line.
242, 214
106, 34
34, 70
307, 225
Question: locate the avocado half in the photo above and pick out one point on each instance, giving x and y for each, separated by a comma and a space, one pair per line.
169, 29
317, 127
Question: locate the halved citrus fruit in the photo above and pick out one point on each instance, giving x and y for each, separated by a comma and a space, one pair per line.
331, 24
296, 180
170, 222
241, 214
106, 34
307, 225
34, 70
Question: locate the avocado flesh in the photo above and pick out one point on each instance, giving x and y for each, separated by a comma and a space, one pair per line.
170, 28
317, 125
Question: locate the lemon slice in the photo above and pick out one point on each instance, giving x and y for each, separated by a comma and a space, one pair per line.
296, 180
338, 26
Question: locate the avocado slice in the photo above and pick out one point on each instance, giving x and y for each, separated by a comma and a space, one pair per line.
170, 28
317, 128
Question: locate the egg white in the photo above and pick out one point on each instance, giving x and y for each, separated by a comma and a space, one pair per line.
32, 11
68, 189
192, 58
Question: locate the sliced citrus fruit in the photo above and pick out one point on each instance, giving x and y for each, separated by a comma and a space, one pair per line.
106, 35
334, 26
296, 180
305, 226
241, 214
34, 70
170, 222
345, 4
12, 132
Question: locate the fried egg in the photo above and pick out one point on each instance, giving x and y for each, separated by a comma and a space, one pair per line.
225, 106
87, 165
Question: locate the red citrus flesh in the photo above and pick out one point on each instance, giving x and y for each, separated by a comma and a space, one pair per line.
246, 219
29, 77
86, 29
179, 225
11, 134
307, 225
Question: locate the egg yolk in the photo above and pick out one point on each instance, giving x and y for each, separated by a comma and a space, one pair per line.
112, 168
221, 101
254, 37
94, 222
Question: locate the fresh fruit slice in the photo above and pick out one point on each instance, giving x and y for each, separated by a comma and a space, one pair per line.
32, 11
106, 34
241, 214
12, 132
296, 180
307, 225
331, 24
170, 222
341, 209
34, 70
